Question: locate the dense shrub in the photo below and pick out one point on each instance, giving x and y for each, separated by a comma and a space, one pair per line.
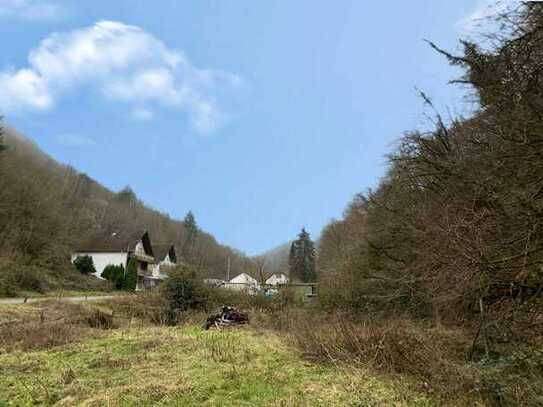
114, 274
184, 290
84, 264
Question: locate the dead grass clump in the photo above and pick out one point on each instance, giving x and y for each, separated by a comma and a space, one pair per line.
148, 307
436, 357
36, 336
100, 320
51, 323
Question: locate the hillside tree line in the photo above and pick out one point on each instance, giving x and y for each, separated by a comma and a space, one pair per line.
455, 228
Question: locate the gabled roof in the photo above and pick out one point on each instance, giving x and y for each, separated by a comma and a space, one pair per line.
237, 278
278, 275
146, 244
161, 250
110, 241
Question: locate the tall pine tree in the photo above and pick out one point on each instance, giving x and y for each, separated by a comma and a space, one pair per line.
190, 237
302, 258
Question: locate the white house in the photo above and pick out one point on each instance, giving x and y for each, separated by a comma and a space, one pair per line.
214, 282
277, 279
242, 282
108, 248
166, 259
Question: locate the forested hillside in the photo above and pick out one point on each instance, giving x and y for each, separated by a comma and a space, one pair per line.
455, 228
47, 209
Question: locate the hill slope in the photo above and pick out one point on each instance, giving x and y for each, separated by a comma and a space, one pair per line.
47, 209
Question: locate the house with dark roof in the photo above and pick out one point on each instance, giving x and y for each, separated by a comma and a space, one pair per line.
165, 259
110, 248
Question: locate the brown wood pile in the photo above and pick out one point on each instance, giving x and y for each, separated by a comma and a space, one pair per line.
226, 316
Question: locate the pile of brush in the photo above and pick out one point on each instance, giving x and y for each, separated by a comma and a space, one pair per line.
226, 316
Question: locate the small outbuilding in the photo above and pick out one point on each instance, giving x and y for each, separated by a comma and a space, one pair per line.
277, 279
243, 282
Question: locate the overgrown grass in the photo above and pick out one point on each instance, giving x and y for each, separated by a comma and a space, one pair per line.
436, 360
49, 324
291, 357
186, 366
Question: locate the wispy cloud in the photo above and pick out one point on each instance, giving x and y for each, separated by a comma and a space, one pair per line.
484, 9
72, 140
30, 9
127, 65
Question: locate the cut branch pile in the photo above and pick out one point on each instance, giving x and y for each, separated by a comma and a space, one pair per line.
226, 316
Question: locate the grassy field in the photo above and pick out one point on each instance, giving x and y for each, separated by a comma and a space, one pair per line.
65, 354
185, 366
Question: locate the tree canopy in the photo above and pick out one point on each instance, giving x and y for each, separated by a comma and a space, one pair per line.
302, 258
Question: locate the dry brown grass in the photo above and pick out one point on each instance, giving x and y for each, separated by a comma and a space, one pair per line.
146, 307
435, 358
50, 323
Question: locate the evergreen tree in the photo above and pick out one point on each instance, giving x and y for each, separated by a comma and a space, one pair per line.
302, 258
114, 274
85, 265
191, 236
131, 275
292, 257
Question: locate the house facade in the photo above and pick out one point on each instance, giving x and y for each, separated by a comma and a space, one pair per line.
277, 279
243, 282
165, 260
114, 249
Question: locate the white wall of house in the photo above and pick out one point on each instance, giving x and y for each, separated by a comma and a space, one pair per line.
276, 279
243, 281
162, 267
103, 259
139, 249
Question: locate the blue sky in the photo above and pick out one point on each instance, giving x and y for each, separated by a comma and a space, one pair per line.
260, 116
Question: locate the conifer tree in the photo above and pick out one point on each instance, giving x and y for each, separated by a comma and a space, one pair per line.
131, 276
191, 236
302, 258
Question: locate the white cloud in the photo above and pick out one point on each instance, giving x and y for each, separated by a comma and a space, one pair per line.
127, 65
71, 140
30, 9
483, 10
24, 87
